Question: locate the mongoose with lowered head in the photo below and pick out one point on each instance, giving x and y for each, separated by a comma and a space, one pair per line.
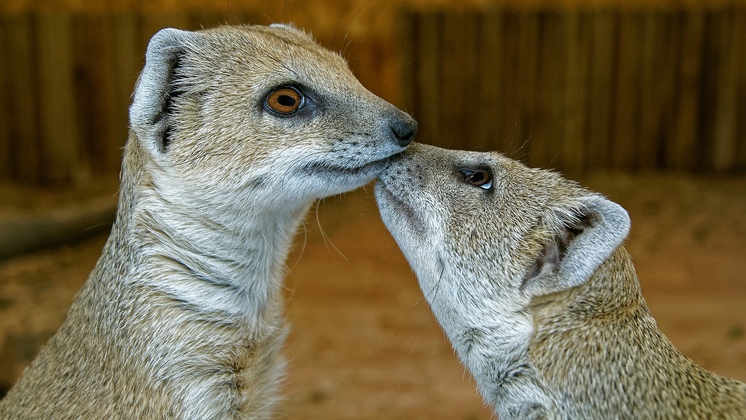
527, 275
235, 131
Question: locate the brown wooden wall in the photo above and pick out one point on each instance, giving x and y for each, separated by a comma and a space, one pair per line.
571, 89
583, 89
66, 81
65, 86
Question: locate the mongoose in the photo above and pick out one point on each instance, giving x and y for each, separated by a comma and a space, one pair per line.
526, 273
235, 131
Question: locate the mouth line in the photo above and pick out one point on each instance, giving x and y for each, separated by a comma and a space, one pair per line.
371, 169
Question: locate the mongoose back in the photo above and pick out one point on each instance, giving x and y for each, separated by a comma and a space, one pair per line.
235, 131
527, 275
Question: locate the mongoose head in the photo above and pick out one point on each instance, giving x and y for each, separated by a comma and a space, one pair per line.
258, 114
485, 234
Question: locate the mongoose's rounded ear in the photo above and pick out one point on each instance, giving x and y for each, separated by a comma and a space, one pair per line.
581, 245
154, 90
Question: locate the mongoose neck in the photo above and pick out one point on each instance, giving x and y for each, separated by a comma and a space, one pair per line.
613, 289
599, 349
229, 260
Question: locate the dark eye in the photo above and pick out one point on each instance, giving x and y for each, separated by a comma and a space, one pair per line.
284, 100
477, 177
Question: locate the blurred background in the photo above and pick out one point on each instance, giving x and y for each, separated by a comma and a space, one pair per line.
642, 100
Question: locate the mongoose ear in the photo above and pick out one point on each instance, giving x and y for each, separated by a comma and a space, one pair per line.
583, 242
155, 88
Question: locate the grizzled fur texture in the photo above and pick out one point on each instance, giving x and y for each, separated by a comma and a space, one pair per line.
182, 315
527, 275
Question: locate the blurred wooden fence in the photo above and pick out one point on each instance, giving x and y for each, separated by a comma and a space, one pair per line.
583, 89
66, 81
568, 89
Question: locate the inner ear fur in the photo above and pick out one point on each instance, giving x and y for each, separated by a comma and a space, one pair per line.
156, 87
582, 241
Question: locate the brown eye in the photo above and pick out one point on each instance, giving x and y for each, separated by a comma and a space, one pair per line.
477, 177
284, 100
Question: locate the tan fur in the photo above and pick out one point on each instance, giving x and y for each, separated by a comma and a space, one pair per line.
182, 316
529, 279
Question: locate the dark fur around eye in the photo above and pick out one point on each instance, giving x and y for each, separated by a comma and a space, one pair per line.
481, 178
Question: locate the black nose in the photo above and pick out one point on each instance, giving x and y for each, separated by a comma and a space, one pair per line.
404, 130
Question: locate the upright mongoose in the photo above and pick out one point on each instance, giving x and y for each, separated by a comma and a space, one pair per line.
527, 275
235, 131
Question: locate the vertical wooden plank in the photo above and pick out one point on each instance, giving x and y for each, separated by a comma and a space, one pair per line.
458, 70
658, 86
489, 78
95, 90
508, 140
527, 71
724, 118
406, 26
600, 88
451, 84
577, 40
626, 89
428, 78
680, 147
703, 140
739, 46
469, 96
19, 56
667, 81
546, 133
519, 83
59, 130
129, 58
5, 138
649, 118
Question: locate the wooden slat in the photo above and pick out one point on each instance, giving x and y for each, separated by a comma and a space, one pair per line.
680, 147
547, 117
657, 93
577, 44
626, 88
507, 132
490, 93
526, 70
459, 89
60, 139
407, 62
428, 79
22, 99
596, 88
725, 112
519, 82
739, 47
648, 93
600, 89
129, 59
94, 90
5, 139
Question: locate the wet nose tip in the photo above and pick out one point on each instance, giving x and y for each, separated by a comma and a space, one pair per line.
404, 131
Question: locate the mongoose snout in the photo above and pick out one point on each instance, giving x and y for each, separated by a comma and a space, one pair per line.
235, 131
404, 130
528, 276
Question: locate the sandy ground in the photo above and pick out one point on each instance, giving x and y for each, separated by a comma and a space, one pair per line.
364, 344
